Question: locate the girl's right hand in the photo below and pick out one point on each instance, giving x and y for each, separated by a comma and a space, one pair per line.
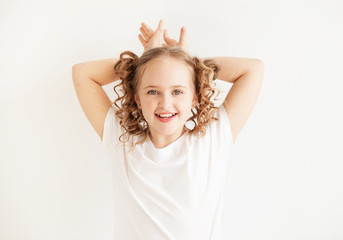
150, 38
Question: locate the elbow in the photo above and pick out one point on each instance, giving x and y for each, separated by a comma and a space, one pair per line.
255, 66
258, 63
76, 71
76, 67
258, 66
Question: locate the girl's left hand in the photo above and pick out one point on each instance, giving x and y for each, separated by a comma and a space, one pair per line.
151, 39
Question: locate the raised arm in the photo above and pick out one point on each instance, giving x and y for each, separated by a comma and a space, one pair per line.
246, 74
88, 79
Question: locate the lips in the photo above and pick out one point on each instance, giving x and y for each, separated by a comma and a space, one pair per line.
165, 115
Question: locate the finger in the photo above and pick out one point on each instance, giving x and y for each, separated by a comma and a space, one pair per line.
158, 35
148, 31
142, 40
144, 33
160, 26
183, 34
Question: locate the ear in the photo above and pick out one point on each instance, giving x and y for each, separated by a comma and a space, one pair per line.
138, 101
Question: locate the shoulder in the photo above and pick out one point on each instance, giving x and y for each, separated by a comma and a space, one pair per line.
221, 127
111, 127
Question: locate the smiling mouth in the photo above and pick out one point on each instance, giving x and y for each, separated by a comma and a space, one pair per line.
165, 115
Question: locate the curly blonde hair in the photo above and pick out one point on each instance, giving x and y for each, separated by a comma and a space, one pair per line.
130, 70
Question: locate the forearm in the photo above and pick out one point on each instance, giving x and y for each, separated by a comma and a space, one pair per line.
232, 68
100, 71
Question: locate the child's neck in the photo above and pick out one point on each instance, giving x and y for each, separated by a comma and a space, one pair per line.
163, 141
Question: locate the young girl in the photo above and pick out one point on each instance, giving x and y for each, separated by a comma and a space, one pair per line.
169, 144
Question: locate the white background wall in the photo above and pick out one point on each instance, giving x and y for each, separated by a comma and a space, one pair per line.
285, 179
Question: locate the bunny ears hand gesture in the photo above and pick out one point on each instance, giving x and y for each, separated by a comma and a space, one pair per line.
151, 39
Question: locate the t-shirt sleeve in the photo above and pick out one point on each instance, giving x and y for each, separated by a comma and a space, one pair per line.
111, 130
223, 126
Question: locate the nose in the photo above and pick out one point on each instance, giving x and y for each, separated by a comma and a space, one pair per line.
164, 101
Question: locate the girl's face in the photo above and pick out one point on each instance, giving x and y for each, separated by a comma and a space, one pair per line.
166, 95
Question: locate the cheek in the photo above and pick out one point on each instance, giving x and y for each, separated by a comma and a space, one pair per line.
148, 104
185, 103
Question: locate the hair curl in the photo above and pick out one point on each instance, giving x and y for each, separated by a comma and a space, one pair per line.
130, 70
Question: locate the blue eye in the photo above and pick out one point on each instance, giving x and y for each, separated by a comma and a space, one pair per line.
177, 92
153, 92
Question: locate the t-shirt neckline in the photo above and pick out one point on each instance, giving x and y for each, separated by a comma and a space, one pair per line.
169, 146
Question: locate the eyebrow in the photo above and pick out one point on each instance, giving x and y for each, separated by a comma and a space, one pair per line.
175, 86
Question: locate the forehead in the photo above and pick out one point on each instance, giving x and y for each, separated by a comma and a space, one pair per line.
167, 71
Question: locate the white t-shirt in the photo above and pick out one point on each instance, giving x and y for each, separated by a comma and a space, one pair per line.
173, 193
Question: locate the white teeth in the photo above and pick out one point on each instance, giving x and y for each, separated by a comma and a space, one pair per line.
165, 115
